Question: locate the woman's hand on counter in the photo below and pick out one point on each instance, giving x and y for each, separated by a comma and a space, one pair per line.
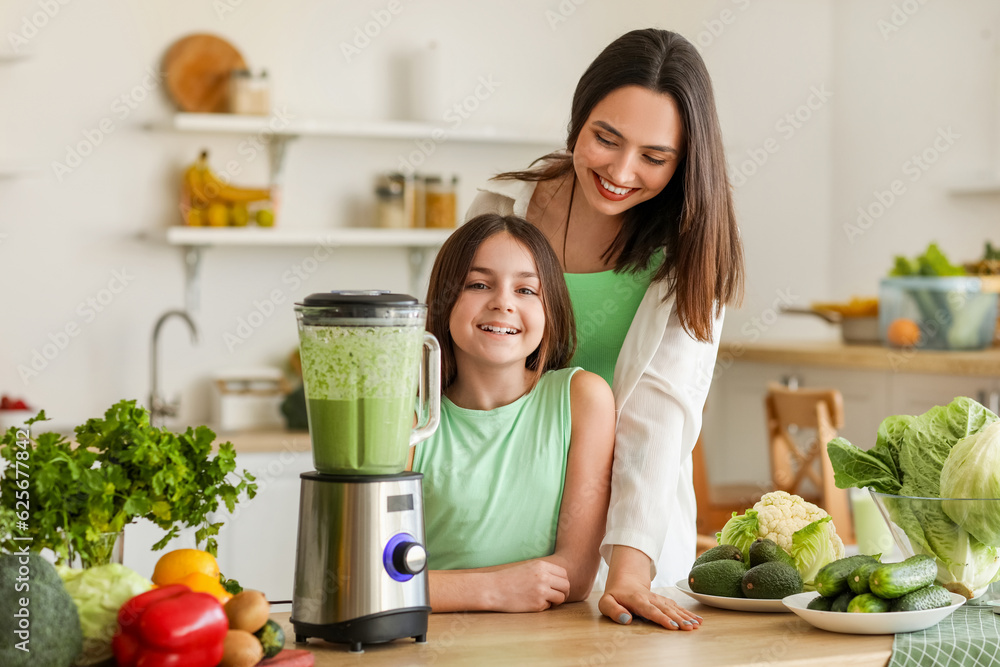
628, 594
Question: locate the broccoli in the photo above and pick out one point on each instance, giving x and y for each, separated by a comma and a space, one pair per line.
53, 637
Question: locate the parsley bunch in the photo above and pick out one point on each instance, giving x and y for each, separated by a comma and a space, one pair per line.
122, 469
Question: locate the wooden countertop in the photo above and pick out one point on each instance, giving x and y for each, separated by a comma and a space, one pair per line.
577, 634
865, 357
266, 441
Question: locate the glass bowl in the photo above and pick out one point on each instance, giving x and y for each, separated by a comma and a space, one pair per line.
961, 534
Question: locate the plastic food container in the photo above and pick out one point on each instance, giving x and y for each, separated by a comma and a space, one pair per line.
952, 313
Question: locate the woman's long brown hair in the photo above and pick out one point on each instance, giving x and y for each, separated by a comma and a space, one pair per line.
693, 218
451, 271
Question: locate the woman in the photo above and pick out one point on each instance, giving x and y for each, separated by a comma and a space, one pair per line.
640, 213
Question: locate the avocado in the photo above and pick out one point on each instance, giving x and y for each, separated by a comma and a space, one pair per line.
766, 551
771, 581
719, 577
721, 552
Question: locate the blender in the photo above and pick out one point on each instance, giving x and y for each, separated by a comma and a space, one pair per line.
372, 384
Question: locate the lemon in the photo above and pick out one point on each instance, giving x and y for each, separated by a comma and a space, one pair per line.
179, 563
239, 216
265, 217
195, 217
218, 215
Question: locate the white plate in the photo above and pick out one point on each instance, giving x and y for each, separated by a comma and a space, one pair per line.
886, 623
736, 604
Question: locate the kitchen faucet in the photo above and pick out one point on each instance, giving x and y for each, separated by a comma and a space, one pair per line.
159, 407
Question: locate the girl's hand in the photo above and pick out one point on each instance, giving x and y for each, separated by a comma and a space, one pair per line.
533, 585
624, 601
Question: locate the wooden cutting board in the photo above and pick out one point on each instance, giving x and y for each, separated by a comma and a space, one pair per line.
197, 68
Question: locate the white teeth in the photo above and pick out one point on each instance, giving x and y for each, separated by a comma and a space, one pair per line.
612, 188
500, 330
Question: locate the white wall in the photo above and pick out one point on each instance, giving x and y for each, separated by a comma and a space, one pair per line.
63, 239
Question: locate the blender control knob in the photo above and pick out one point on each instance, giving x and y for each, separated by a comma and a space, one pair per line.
410, 558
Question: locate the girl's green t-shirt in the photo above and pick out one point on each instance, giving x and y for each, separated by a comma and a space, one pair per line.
493, 479
604, 304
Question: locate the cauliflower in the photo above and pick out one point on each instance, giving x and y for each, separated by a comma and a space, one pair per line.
780, 514
802, 529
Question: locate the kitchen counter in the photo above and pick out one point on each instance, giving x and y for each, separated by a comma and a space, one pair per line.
266, 441
577, 634
865, 357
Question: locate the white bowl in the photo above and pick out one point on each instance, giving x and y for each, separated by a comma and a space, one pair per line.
885, 623
735, 604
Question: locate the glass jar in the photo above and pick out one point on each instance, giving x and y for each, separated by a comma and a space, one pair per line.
440, 200
390, 206
249, 94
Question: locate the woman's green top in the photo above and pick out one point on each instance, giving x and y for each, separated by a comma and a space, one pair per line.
604, 304
493, 479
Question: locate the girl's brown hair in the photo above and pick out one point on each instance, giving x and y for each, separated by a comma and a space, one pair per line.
451, 271
693, 218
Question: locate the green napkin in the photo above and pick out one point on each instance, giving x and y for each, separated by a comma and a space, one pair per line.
969, 636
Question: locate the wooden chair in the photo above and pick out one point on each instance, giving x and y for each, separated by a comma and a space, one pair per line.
800, 465
717, 503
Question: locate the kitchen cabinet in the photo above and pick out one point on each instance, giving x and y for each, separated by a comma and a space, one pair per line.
257, 541
875, 382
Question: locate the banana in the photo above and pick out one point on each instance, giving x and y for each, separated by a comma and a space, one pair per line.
204, 187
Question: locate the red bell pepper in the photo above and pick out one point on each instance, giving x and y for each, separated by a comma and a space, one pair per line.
170, 627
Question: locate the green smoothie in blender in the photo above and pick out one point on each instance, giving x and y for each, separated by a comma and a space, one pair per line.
360, 384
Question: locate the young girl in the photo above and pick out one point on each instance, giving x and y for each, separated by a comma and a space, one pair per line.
640, 211
516, 477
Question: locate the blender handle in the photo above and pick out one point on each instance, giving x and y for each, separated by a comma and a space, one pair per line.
430, 389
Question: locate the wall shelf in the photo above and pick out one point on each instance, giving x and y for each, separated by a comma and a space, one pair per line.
194, 240
331, 237
363, 129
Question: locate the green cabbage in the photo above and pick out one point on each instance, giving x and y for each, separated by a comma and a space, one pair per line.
741, 531
812, 548
908, 459
972, 470
99, 592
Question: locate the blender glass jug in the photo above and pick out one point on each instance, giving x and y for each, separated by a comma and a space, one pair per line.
363, 356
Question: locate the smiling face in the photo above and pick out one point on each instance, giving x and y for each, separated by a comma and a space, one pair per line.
628, 149
499, 318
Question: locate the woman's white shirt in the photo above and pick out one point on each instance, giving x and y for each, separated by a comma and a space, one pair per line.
661, 380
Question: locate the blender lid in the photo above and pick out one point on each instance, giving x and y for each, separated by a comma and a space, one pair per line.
358, 298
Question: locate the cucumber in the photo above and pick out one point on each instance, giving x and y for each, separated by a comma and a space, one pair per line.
820, 603
894, 580
857, 581
928, 597
841, 602
831, 580
866, 603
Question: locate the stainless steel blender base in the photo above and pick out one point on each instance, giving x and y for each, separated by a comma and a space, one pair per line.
374, 629
360, 565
